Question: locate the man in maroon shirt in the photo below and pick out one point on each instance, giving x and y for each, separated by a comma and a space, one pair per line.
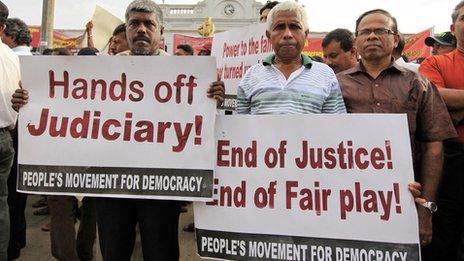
378, 85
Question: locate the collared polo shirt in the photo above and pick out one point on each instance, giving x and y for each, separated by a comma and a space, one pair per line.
311, 89
399, 90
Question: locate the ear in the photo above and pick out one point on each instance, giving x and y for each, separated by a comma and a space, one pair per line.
306, 33
354, 52
268, 34
162, 30
453, 29
2, 28
396, 39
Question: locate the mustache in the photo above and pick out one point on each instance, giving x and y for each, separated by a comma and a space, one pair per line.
141, 38
288, 43
373, 44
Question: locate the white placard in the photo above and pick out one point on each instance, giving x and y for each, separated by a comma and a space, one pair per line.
237, 50
310, 187
138, 127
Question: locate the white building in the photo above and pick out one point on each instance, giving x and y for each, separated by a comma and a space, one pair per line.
226, 14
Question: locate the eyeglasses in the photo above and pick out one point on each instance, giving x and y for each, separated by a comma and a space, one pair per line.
376, 31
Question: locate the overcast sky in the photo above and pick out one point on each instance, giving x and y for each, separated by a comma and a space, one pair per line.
324, 15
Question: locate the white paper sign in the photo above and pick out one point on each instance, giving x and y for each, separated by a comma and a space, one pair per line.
137, 127
236, 51
310, 187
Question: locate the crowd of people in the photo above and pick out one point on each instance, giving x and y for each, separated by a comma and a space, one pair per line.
361, 72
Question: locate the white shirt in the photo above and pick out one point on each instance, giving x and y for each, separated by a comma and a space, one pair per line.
9, 82
22, 50
411, 66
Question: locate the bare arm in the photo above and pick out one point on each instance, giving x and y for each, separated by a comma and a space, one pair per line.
453, 98
88, 30
431, 168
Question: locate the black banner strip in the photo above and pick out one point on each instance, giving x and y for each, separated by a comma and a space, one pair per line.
229, 104
244, 246
118, 181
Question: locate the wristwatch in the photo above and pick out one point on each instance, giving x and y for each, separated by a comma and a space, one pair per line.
431, 206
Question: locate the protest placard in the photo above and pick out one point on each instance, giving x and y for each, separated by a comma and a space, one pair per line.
237, 50
310, 187
415, 46
135, 127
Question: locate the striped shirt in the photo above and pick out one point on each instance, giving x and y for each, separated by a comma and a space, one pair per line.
311, 89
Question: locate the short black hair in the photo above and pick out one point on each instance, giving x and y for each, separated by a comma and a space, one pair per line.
47, 51
343, 36
88, 51
317, 58
398, 51
378, 11
119, 29
18, 30
61, 51
187, 48
3, 13
268, 5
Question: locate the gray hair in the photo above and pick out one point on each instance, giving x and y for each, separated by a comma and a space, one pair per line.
301, 14
145, 6
455, 13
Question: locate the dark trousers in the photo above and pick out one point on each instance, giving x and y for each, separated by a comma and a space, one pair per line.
87, 229
158, 221
62, 234
448, 220
17, 205
6, 159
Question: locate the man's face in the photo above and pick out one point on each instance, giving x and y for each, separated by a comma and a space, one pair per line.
337, 58
457, 28
287, 36
263, 16
438, 49
119, 43
181, 52
375, 39
143, 33
8, 41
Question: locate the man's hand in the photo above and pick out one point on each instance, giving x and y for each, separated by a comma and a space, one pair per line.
425, 217
425, 225
19, 98
89, 27
416, 190
216, 91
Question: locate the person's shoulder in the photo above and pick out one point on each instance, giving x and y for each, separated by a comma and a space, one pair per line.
440, 59
347, 72
322, 69
7, 54
256, 68
320, 66
5, 50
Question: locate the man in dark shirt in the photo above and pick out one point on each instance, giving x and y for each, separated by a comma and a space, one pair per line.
377, 85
